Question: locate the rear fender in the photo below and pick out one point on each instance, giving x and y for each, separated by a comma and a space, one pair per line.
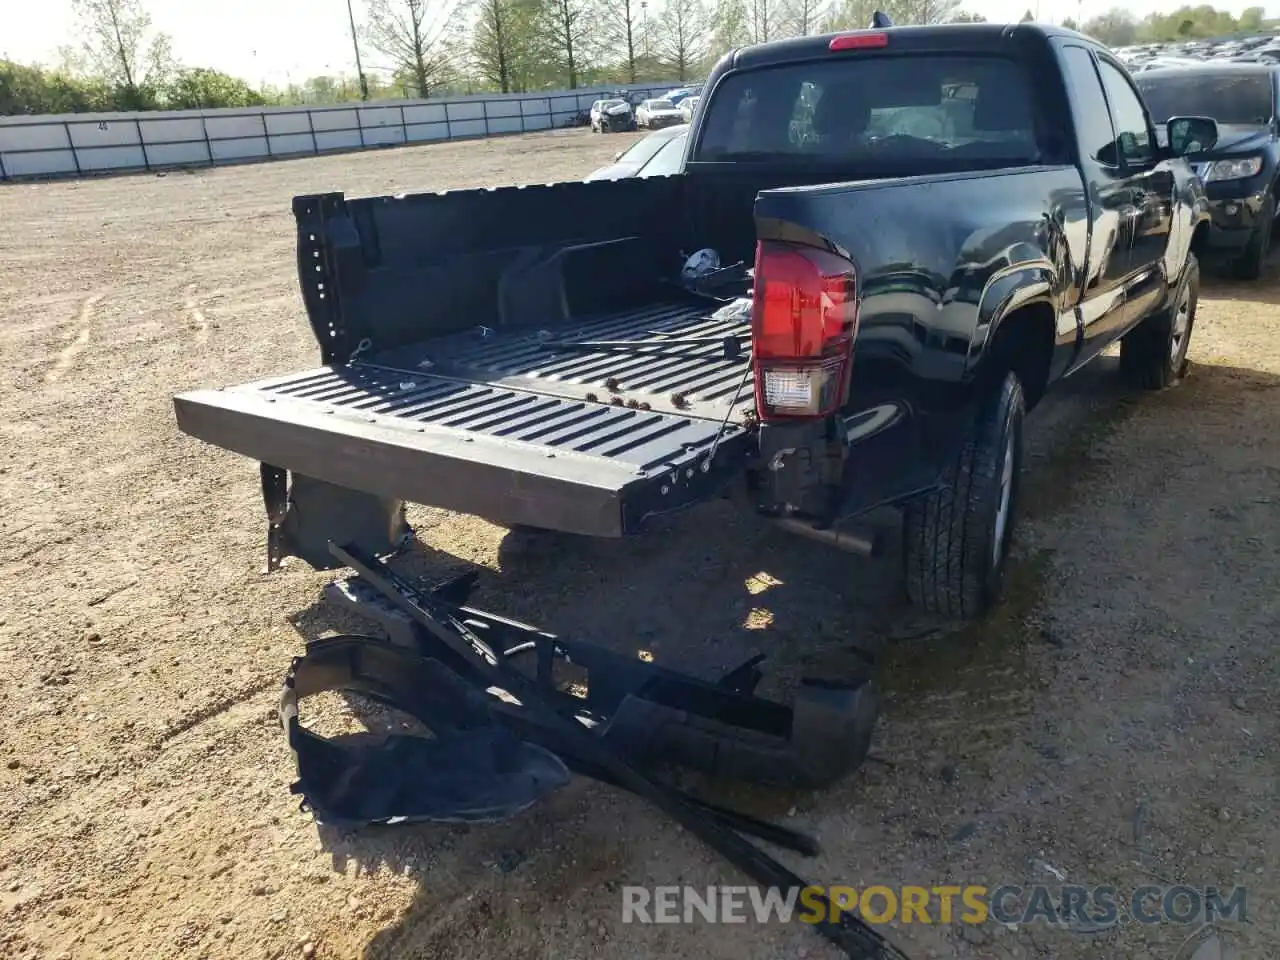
1015, 287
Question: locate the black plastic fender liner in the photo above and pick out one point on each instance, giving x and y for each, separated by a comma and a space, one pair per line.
472, 770
432, 692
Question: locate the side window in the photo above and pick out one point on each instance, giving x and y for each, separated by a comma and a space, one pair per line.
1093, 120
1132, 134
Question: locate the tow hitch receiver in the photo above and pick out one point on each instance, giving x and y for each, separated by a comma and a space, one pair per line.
505, 732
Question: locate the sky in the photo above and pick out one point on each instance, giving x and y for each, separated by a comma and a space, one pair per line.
278, 41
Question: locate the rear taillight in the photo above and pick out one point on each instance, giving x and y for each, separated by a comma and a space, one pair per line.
804, 319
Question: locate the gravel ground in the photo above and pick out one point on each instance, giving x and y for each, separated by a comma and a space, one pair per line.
1115, 719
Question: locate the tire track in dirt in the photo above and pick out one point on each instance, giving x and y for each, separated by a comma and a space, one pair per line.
68, 355
177, 751
218, 706
196, 315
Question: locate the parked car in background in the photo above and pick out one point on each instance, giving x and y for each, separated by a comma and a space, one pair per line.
658, 154
1162, 63
1239, 171
1260, 48
688, 105
612, 115
679, 93
655, 114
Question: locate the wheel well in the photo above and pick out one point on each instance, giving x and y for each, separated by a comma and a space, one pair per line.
1200, 239
1024, 344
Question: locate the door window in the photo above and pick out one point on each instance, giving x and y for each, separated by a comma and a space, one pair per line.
1133, 136
1093, 120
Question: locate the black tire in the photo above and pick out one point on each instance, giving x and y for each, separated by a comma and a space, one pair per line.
1153, 355
1254, 259
955, 547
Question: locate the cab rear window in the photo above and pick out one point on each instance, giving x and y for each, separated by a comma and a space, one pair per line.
869, 107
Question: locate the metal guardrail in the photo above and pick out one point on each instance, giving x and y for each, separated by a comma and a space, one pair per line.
70, 145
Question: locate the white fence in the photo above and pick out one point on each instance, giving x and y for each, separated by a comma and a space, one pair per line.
92, 143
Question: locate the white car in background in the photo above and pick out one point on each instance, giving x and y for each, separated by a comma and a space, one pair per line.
659, 113
611, 114
687, 106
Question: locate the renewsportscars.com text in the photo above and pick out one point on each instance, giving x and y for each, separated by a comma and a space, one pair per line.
1100, 906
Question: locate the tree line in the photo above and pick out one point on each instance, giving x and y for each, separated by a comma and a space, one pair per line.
423, 48
1118, 27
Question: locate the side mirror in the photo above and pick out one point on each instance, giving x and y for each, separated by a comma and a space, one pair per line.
617, 156
1189, 135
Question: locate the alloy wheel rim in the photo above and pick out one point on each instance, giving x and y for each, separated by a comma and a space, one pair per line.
1006, 499
1181, 326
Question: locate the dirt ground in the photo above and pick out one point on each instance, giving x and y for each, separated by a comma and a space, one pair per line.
1115, 720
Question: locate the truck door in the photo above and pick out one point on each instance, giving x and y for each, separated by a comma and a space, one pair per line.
1148, 195
1108, 195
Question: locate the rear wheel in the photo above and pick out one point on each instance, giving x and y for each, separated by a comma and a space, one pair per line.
957, 539
1153, 354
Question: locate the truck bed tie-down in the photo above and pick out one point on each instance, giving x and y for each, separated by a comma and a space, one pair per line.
502, 736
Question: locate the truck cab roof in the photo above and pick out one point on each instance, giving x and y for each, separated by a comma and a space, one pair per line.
969, 37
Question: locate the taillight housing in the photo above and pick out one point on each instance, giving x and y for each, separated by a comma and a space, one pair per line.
804, 319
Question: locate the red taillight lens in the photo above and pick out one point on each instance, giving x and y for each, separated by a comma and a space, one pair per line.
804, 319
859, 41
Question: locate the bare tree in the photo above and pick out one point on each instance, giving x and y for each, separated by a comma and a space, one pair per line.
623, 26
764, 19
1116, 28
731, 29
413, 35
803, 17
852, 14
856, 14
682, 35
506, 46
927, 11
492, 43
120, 47
567, 36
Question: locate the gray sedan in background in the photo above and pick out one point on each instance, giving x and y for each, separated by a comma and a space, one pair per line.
658, 154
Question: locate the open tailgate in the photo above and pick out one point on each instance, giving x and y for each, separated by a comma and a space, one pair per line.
503, 428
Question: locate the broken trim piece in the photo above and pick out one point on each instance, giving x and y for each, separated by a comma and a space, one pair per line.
449, 627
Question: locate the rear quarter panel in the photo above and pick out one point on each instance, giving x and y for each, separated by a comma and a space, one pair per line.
940, 261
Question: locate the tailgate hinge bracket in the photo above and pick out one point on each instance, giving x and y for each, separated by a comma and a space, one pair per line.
275, 497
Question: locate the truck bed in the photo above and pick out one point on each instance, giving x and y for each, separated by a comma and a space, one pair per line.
498, 425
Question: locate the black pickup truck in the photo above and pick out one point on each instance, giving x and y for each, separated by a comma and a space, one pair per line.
916, 231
